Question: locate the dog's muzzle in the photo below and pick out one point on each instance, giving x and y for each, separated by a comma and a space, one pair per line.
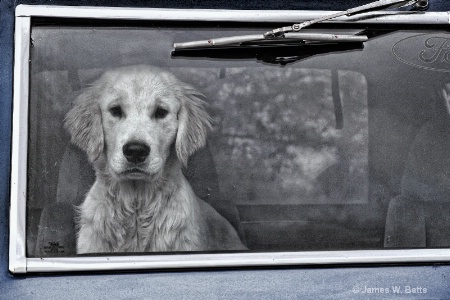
136, 152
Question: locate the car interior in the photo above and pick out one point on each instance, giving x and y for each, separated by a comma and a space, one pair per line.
313, 147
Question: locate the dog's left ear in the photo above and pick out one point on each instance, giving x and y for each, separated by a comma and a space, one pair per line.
193, 123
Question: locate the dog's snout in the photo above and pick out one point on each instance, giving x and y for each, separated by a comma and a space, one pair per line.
135, 152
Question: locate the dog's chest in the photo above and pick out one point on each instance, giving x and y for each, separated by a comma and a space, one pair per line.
146, 232
153, 223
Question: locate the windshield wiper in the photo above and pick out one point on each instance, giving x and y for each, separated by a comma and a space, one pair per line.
268, 53
291, 34
286, 39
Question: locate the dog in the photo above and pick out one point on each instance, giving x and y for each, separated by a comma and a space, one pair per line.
138, 126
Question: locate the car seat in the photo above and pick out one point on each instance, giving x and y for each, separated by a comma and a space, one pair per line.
420, 215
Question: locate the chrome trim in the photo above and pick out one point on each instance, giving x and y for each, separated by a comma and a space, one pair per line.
216, 15
19, 263
17, 238
178, 261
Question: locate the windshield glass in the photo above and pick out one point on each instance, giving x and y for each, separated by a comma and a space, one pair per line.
308, 153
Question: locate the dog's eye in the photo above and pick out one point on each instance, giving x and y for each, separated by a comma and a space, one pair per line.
161, 113
116, 111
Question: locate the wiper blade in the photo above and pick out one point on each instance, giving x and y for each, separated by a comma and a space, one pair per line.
288, 38
291, 34
268, 53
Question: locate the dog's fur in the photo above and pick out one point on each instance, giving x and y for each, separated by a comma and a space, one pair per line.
141, 201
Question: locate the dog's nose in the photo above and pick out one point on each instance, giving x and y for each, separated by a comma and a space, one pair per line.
136, 152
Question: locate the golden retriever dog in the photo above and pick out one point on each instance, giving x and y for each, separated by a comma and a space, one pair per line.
138, 126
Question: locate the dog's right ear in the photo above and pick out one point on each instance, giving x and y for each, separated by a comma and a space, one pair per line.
84, 124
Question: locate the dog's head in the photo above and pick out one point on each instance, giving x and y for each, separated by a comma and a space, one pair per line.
135, 117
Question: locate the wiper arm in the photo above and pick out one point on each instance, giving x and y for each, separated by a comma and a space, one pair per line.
374, 6
290, 34
261, 39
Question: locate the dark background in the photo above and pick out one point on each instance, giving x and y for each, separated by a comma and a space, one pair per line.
280, 283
